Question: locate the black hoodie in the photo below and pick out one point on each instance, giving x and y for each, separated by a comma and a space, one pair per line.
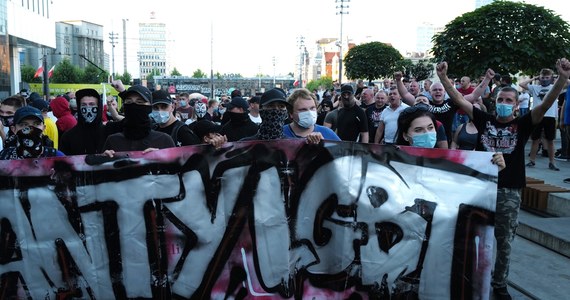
85, 138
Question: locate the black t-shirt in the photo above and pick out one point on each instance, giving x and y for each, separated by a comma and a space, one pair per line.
445, 112
510, 139
184, 137
350, 123
373, 116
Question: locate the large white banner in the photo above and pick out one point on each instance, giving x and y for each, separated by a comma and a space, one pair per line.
278, 219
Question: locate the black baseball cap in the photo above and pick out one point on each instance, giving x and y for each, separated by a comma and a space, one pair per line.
238, 102
347, 88
27, 111
161, 96
140, 90
87, 92
274, 95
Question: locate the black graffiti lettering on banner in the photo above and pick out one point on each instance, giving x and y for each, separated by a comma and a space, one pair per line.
311, 212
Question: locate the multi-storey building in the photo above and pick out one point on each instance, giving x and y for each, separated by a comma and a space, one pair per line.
152, 48
79, 41
21, 44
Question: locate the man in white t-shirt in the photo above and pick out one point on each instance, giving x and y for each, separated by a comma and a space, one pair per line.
388, 125
254, 109
524, 100
548, 123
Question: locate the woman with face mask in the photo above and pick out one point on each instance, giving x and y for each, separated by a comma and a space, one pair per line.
417, 127
303, 113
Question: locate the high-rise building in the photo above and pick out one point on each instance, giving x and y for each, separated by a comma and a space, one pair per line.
23, 43
152, 47
424, 35
80, 42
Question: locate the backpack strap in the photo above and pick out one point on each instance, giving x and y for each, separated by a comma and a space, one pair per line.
174, 133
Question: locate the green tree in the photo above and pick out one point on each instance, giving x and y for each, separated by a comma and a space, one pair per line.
198, 74
421, 70
325, 82
65, 72
506, 36
28, 73
92, 74
175, 72
218, 75
371, 61
126, 78
154, 72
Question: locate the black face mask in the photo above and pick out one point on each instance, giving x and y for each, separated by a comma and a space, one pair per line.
137, 123
237, 117
7, 121
29, 142
272, 125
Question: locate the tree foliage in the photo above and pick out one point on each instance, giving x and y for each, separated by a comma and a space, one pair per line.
175, 72
198, 74
126, 78
154, 72
65, 72
420, 70
92, 74
371, 61
325, 82
506, 36
27, 74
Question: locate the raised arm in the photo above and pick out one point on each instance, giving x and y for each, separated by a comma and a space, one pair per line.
408, 98
524, 84
563, 67
480, 89
455, 95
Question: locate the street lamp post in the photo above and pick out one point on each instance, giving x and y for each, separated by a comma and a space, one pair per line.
342, 10
301, 59
113, 37
273, 71
125, 45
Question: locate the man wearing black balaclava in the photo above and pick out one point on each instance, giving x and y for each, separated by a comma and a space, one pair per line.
137, 134
88, 136
239, 124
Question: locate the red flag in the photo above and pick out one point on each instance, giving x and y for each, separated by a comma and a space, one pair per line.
39, 71
50, 72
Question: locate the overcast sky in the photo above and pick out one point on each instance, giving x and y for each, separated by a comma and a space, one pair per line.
247, 34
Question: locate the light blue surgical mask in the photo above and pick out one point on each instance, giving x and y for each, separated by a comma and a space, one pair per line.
425, 140
183, 103
504, 110
160, 117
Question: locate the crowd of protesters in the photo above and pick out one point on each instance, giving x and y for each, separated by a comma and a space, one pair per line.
489, 115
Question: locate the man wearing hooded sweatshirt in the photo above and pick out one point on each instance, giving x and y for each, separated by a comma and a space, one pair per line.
88, 136
65, 120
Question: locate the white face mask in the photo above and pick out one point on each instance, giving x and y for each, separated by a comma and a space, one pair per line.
89, 113
307, 118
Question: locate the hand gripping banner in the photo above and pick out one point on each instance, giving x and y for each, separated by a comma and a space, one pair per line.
268, 220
